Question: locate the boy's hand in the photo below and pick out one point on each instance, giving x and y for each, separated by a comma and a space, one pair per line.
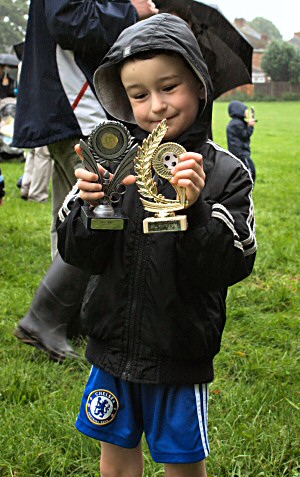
145, 8
189, 173
90, 190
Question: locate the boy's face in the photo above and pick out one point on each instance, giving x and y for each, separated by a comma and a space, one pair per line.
159, 88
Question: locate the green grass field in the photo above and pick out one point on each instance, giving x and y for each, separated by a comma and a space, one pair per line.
254, 405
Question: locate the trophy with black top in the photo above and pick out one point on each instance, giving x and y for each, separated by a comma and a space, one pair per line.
110, 145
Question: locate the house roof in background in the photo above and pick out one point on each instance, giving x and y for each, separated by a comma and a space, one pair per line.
256, 39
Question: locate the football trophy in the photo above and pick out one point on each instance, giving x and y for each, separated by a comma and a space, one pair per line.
162, 158
110, 145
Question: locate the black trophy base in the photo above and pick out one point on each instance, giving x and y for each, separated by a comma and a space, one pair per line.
116, 220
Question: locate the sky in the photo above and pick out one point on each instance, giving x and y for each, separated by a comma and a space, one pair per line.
285, 15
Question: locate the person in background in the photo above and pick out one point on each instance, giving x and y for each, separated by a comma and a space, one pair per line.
154, 310
56, 107
2, 187
35, 181
7, 84
239, 132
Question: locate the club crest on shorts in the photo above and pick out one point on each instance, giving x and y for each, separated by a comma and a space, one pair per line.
101, 407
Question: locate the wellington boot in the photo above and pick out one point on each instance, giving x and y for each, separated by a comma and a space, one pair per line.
54, 310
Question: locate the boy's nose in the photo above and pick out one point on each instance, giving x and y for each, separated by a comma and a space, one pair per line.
158, 104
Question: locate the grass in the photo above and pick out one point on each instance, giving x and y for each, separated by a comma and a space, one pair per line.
254, 405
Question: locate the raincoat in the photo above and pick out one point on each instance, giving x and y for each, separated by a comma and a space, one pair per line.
65, 42
155, 307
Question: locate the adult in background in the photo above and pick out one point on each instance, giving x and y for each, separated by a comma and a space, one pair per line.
35, 181
239, 131
65, 42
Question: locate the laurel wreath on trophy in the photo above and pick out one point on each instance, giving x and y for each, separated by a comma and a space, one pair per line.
150, 155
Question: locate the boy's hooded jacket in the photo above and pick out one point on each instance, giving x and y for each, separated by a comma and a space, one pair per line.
238, 131
155, 307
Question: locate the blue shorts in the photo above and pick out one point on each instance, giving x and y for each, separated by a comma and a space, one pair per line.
173, 417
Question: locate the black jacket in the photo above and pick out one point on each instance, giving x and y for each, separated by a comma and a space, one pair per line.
59, 31
155, 310
238, 131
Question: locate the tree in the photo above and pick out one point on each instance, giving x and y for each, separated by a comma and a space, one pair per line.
295, 69
280, 61
13, 21
264, 26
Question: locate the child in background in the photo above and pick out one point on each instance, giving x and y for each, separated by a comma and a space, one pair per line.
154, 310
239, 132
2, 185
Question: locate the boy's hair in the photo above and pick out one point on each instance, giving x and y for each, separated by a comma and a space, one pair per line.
146, 55
149, 54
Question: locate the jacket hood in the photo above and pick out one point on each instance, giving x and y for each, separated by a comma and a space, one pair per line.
162, 31
237, 109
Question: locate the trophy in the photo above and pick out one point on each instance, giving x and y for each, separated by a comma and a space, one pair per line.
162, 158
110, 145
253, 114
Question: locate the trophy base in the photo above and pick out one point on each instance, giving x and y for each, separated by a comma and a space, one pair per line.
178, 223
117, 220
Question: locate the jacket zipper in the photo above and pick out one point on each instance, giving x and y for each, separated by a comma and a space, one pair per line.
137, 279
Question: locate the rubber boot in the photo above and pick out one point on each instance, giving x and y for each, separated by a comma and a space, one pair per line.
55, 307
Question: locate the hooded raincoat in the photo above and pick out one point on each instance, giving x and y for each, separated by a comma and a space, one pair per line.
238, 131
155, 307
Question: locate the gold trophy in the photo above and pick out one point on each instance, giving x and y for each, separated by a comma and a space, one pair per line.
162, 158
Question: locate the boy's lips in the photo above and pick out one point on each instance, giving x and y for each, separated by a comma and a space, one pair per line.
171, 118
156, 122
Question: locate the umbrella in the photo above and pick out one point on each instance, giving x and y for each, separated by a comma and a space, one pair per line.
19, 48
227, 53
9, 60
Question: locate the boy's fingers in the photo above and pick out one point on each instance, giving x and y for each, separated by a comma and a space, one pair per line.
78, 151
190, 182
88, 186
129, 180
88, 181
189, 164
91, 197
188, 170
85, 175
192, 156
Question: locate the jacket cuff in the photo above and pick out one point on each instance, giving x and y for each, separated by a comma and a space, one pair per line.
198, 214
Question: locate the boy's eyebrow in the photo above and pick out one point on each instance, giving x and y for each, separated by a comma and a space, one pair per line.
162, 78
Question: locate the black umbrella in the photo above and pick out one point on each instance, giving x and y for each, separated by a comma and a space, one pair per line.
227, 52
19, 48
7, 59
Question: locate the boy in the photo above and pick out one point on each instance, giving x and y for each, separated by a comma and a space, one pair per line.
155, 307
239, 131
